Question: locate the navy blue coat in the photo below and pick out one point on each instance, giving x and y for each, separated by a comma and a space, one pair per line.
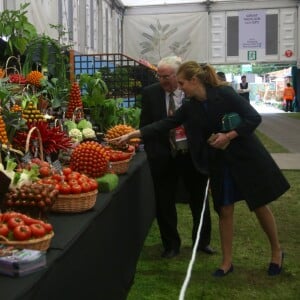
254, 171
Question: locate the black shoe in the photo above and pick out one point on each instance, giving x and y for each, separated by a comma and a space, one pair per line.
170, 253
222, 273
275, 269
207, 250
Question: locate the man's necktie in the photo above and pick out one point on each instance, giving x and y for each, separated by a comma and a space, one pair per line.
171, 112
172, 107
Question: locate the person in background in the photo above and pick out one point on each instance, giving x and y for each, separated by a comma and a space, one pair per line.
244, 89
288, 96
167, 165
239, 166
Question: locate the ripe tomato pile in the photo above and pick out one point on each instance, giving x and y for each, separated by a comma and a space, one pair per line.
17, 78
90, 158
116, 155
71, 182
20, 227
32, 195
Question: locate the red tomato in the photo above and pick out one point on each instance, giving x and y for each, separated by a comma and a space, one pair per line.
48, 227
36, 160
57, 186
4, 230
113, 157
86, 187
93, 184
44, 164
66, 171
76, 189
14, 222
28, 220
37, 230
22, 232
11, 214
72, 181
65, 188
126, 155
49, 180
58, 177
45, 171
73, 175
82, 179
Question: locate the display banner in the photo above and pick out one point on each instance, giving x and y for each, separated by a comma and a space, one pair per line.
152, 37
252, 29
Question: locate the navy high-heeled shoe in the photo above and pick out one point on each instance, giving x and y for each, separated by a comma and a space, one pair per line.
275, 269
222, 273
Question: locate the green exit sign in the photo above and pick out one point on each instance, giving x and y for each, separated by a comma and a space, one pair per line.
251, 55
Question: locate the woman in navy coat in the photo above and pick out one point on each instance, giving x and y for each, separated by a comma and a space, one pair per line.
239, 166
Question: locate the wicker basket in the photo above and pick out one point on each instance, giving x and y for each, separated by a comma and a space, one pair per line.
41, 244
119, 167
75, 203
19, 87
27, 146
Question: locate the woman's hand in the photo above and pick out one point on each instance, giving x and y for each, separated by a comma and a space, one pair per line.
219, 140
121, 140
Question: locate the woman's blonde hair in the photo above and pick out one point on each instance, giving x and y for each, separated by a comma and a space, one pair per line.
204, 72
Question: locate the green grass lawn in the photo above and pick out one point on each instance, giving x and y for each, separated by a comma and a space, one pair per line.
161, 279
295, 115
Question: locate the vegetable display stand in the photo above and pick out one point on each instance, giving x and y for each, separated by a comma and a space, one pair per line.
119, 167
75, 203
41, 244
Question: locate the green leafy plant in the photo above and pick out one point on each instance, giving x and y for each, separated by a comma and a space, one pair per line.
55, 91
104, 112
47, 54
16, 28
94, 91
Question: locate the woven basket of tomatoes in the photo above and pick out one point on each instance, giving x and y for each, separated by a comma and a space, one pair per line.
119, 161
21, 231
77, 192
75, 203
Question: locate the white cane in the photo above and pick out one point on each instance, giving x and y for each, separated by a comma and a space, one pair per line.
191, 263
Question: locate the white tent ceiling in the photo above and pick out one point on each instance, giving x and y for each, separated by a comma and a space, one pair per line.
157, 2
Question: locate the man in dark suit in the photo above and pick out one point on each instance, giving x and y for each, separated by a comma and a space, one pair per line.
168, 163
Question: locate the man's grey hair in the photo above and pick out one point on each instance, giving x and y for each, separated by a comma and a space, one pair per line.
170, 61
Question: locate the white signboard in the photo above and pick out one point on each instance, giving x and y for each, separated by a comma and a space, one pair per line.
252, 29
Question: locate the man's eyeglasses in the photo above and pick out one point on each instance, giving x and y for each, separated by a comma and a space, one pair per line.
164, 77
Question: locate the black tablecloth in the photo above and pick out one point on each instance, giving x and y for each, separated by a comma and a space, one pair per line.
93, 255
